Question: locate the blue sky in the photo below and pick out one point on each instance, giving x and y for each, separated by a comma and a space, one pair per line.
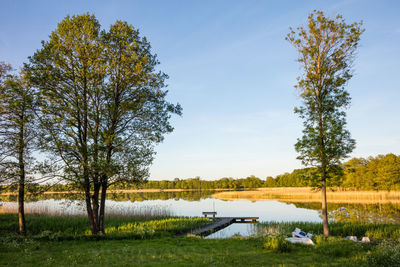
233, 73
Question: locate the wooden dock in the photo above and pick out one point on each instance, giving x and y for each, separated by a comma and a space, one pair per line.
218, 224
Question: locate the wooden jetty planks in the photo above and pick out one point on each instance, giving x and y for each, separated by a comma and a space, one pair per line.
220, 223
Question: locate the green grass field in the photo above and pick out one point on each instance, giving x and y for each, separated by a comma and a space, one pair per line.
65, 241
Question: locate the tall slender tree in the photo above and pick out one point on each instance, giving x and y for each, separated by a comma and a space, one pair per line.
326, 48
17, 131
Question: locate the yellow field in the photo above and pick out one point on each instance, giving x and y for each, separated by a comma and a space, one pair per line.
306, 194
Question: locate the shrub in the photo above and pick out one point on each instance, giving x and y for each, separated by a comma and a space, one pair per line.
277, 244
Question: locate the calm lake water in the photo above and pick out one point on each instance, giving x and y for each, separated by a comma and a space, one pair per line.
194, 203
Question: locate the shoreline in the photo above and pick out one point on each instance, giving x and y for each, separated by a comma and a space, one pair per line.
308, 195
122, 191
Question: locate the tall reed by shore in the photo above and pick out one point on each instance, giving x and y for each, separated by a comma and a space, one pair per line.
308, 194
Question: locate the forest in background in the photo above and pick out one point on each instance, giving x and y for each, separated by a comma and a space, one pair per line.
373, 173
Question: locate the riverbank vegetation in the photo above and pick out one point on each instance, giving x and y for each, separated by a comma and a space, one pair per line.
41, 227
375, 231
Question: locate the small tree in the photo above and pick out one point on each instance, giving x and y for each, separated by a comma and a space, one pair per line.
16, 137
326, 49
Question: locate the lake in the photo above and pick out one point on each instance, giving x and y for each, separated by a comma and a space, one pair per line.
194, 203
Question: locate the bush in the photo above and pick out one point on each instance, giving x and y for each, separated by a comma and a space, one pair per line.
277, 244
387, 254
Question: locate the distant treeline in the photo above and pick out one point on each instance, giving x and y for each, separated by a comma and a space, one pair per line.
193, 195
374, 173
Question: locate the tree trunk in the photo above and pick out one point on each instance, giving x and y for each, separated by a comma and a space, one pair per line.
323, 171
95, 204
102, 206
21, 184
85, 154
324, 207
92, 224
21, 211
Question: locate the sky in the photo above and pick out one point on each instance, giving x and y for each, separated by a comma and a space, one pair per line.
233, 73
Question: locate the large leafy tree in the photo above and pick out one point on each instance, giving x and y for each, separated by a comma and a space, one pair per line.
17, 133
326, 48
67, 74
135, 113
102, 106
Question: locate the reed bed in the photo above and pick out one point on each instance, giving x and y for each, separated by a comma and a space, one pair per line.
307, 194
76, 208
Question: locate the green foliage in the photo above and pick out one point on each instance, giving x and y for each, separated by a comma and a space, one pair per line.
326, 51
373, 173
161, 252
277, 244
150, 228
387, 254
375, 231
381, 172
76, 227
17, 130
102, 106
337, 247
4, 69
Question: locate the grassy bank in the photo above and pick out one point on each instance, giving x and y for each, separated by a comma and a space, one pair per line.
307, 194
375, 231
116, 227
190, 251
66, 241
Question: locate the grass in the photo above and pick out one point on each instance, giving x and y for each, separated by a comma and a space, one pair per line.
167, 252
307, 194
77, 227
65, 241
375, 231
277, 244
